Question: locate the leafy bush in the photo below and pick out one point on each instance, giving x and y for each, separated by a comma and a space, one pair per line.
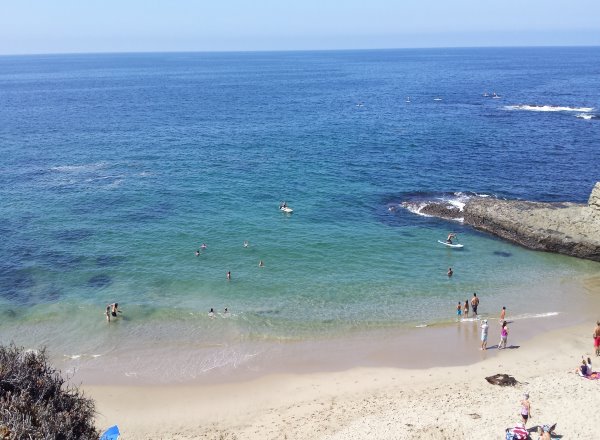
36, 404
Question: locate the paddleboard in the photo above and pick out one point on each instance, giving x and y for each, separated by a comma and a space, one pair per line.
457, 246
287, 209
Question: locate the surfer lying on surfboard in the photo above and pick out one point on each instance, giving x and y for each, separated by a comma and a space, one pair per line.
451, 235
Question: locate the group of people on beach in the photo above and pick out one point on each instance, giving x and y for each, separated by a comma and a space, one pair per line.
462, 312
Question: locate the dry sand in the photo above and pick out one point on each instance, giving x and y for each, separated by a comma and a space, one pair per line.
374, 403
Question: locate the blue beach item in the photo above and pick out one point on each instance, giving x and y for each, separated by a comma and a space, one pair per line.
111, 433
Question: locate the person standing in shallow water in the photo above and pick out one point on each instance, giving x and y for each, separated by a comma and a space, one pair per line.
474, 304
228, 275
466, 308
458, 311
450, 272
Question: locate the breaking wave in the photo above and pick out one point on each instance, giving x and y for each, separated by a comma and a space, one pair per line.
548, 108
445, 205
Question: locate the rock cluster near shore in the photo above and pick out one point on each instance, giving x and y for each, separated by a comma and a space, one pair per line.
565, 228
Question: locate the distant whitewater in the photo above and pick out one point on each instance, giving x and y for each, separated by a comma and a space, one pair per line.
548, 108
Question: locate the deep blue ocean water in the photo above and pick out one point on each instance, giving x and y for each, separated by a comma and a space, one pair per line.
115, 168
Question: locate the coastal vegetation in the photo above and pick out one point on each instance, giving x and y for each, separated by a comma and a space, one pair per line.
35, 402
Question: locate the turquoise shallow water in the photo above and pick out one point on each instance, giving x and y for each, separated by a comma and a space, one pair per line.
115, 168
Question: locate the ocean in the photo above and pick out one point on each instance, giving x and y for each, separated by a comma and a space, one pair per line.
115, 168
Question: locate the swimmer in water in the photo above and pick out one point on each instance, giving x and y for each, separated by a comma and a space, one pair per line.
114, 309
198, 252
450, 272
246, 244
261, 264
203, 246
228, 275
211, 313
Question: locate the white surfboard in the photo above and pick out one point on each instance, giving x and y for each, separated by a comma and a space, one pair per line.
456, 246
286, 209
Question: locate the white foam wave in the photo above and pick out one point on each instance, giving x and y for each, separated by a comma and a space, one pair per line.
533, 315
458, 200
548, 108
79, 168
416, 209
73, 356
584, 116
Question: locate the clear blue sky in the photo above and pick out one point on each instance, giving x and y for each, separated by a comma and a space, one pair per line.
60, 26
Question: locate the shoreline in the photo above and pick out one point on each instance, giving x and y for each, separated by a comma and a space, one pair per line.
439, 345
378, 402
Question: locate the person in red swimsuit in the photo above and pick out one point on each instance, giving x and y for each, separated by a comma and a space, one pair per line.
597, 338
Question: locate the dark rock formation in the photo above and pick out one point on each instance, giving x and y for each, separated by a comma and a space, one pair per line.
565, 228
504, 380
442, 210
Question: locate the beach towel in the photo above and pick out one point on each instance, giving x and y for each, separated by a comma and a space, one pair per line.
111, 433
517, 433
594, 376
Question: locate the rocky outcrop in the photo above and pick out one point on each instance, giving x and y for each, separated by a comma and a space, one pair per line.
565, 228
594, 202
441, 210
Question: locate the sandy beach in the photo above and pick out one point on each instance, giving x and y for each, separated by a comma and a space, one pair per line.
378, 403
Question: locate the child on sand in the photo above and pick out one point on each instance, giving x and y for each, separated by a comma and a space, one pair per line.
525, 408
503, 336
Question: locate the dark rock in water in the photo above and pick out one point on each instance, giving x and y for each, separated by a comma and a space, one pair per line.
62, 261
504, 380
109, 260
9, 313
503, 254
74, 234
51, 295
442, 210
16, 284
100, 281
